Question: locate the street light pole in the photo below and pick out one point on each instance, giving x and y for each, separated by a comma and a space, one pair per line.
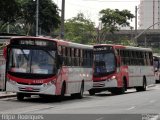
37, 16
136, 23
62, 19
137, 36
145, 30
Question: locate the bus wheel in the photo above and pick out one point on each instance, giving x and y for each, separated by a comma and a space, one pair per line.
91, 92
122, 89
20, 96
142, 88
61, 97
80, 94
118, 91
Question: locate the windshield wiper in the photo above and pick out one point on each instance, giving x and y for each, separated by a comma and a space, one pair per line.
27, 58
49, 54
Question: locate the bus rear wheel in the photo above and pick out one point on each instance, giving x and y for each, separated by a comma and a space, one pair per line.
63, 90
142, 88
20, 96
80, 94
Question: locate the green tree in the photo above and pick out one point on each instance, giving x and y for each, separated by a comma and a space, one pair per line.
9, 12
113, 20
21, 16
79, 29
48, 16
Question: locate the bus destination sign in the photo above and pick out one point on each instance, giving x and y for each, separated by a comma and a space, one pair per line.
103, 48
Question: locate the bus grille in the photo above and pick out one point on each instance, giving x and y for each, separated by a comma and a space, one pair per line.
98, 84
29, 90
30, 84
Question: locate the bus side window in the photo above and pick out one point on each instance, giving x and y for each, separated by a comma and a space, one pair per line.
151, 58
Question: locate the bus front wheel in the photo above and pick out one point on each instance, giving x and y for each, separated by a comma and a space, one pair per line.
63, 90
20, 96
142, 88
91, 92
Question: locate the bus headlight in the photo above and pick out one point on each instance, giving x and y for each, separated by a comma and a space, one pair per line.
49, 83
113, 77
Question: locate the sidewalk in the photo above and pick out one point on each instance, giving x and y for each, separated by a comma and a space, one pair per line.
4, 94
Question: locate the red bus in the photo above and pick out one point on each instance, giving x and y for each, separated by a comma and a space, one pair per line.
156, 63
44, 66
118, 67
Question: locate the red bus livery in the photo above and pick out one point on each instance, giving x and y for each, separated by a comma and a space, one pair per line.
118, 67
44, 66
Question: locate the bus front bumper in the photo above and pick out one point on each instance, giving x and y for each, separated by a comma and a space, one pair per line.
31, 89
105, 84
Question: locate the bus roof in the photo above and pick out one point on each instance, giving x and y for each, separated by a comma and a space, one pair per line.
125, 47
59, 42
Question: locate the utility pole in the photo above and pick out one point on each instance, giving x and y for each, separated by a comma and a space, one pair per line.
37, 16
153, 12
136, 9
62, 19
158, 14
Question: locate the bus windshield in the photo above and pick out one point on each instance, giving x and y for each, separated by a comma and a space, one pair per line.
32, 61
104, 63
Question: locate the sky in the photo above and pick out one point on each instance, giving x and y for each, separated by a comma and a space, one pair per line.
91, 8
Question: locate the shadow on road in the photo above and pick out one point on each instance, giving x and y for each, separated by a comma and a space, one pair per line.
52, 99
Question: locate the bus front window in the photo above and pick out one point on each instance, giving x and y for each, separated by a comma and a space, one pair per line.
32, 61
104, 63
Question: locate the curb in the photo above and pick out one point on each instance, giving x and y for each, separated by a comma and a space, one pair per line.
152, 85
6, 96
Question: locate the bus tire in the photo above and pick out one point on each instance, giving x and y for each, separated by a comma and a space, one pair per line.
123, 88
80, 94
20, 96
63, 90
142, 88
118, 91
91, 92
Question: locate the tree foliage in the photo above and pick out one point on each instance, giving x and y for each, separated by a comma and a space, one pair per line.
48, 15
9, 11
79, 29
21, 14
112, 20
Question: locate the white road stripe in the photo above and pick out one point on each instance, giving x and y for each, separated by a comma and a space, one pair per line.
101, 118
131, 108
152, 101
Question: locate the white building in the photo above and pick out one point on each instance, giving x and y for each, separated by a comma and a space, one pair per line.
149, 14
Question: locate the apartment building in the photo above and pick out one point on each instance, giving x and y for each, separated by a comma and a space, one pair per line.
149, 14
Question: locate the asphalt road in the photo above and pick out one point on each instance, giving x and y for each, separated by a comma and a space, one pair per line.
131, 102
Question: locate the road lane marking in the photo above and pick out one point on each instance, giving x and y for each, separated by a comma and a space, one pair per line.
101, 118
155, 117
131, 108
152, 101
